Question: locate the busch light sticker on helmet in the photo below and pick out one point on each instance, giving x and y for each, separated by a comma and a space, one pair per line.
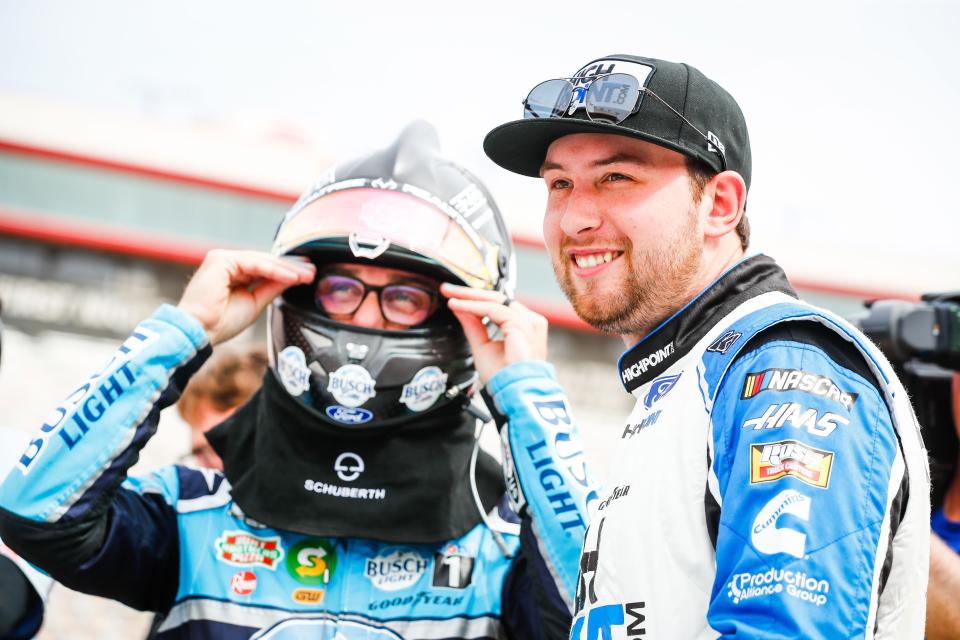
582, 78
349, 415
351, 385
422, 391
293, 371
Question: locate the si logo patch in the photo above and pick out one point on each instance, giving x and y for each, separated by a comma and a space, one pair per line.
312, 562
241, 549
452, 568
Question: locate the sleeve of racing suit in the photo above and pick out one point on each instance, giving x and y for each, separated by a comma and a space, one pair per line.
67, 506
809, 476
549, 487
19, 602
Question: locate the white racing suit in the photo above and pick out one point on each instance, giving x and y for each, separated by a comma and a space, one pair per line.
772, 482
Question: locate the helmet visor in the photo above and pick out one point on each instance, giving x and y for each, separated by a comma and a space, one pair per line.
376, 219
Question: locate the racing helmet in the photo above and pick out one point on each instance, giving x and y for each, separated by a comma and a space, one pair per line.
403, 207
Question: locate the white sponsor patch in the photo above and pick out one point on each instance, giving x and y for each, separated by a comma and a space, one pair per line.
768, 538
586, 75
351, 385
796, 584
293, 371
395, 571
423, 390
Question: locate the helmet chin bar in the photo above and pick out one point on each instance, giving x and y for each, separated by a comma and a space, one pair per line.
359, 378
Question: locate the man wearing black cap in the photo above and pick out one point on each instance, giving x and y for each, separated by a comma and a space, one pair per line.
772, 481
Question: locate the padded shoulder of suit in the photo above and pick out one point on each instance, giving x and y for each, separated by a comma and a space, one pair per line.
843, 352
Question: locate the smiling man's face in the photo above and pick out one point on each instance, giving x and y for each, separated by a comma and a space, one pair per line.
622, 228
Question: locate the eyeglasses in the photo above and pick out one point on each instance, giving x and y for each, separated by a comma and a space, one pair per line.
610, 98
404, 304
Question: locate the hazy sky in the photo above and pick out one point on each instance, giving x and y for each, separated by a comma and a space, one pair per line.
851, 105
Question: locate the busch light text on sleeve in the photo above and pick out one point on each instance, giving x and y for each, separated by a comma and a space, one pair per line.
86, 404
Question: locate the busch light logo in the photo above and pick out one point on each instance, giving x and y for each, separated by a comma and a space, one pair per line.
397, 570
660, 387
349, 415
351, 385
293, 371
427, 385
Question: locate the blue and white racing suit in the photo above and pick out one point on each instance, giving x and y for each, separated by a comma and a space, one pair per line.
175, 542
772, 480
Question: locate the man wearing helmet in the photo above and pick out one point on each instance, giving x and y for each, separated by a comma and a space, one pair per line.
354, 502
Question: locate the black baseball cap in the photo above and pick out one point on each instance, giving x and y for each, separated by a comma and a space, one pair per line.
521, 146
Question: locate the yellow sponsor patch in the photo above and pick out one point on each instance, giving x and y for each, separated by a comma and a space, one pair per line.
771, 461
308, 596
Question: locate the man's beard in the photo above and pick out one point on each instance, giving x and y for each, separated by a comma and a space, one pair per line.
657, 282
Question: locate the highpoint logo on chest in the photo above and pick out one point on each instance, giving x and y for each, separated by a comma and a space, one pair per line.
640, 367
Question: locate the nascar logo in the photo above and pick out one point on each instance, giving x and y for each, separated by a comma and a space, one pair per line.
793, 379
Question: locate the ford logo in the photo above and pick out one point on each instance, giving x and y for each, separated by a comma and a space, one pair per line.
349, 415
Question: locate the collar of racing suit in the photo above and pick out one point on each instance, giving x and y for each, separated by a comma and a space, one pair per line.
404, 484
676, 335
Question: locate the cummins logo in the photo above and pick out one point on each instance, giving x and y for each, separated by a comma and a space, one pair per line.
768, 538
640, 367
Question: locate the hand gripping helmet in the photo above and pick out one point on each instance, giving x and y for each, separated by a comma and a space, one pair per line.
404, 207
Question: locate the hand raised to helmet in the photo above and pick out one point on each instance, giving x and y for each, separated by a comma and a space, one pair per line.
524, 331
231, 288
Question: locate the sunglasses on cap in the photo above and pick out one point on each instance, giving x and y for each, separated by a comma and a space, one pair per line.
610, 98
404, 304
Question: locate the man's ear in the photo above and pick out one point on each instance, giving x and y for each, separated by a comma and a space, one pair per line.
729, 197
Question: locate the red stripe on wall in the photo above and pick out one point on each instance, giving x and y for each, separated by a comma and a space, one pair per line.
523, 240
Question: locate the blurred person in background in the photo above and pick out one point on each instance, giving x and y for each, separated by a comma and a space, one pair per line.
355, 502
943, 600
23, 589
778, 484
946, 519
227, 380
